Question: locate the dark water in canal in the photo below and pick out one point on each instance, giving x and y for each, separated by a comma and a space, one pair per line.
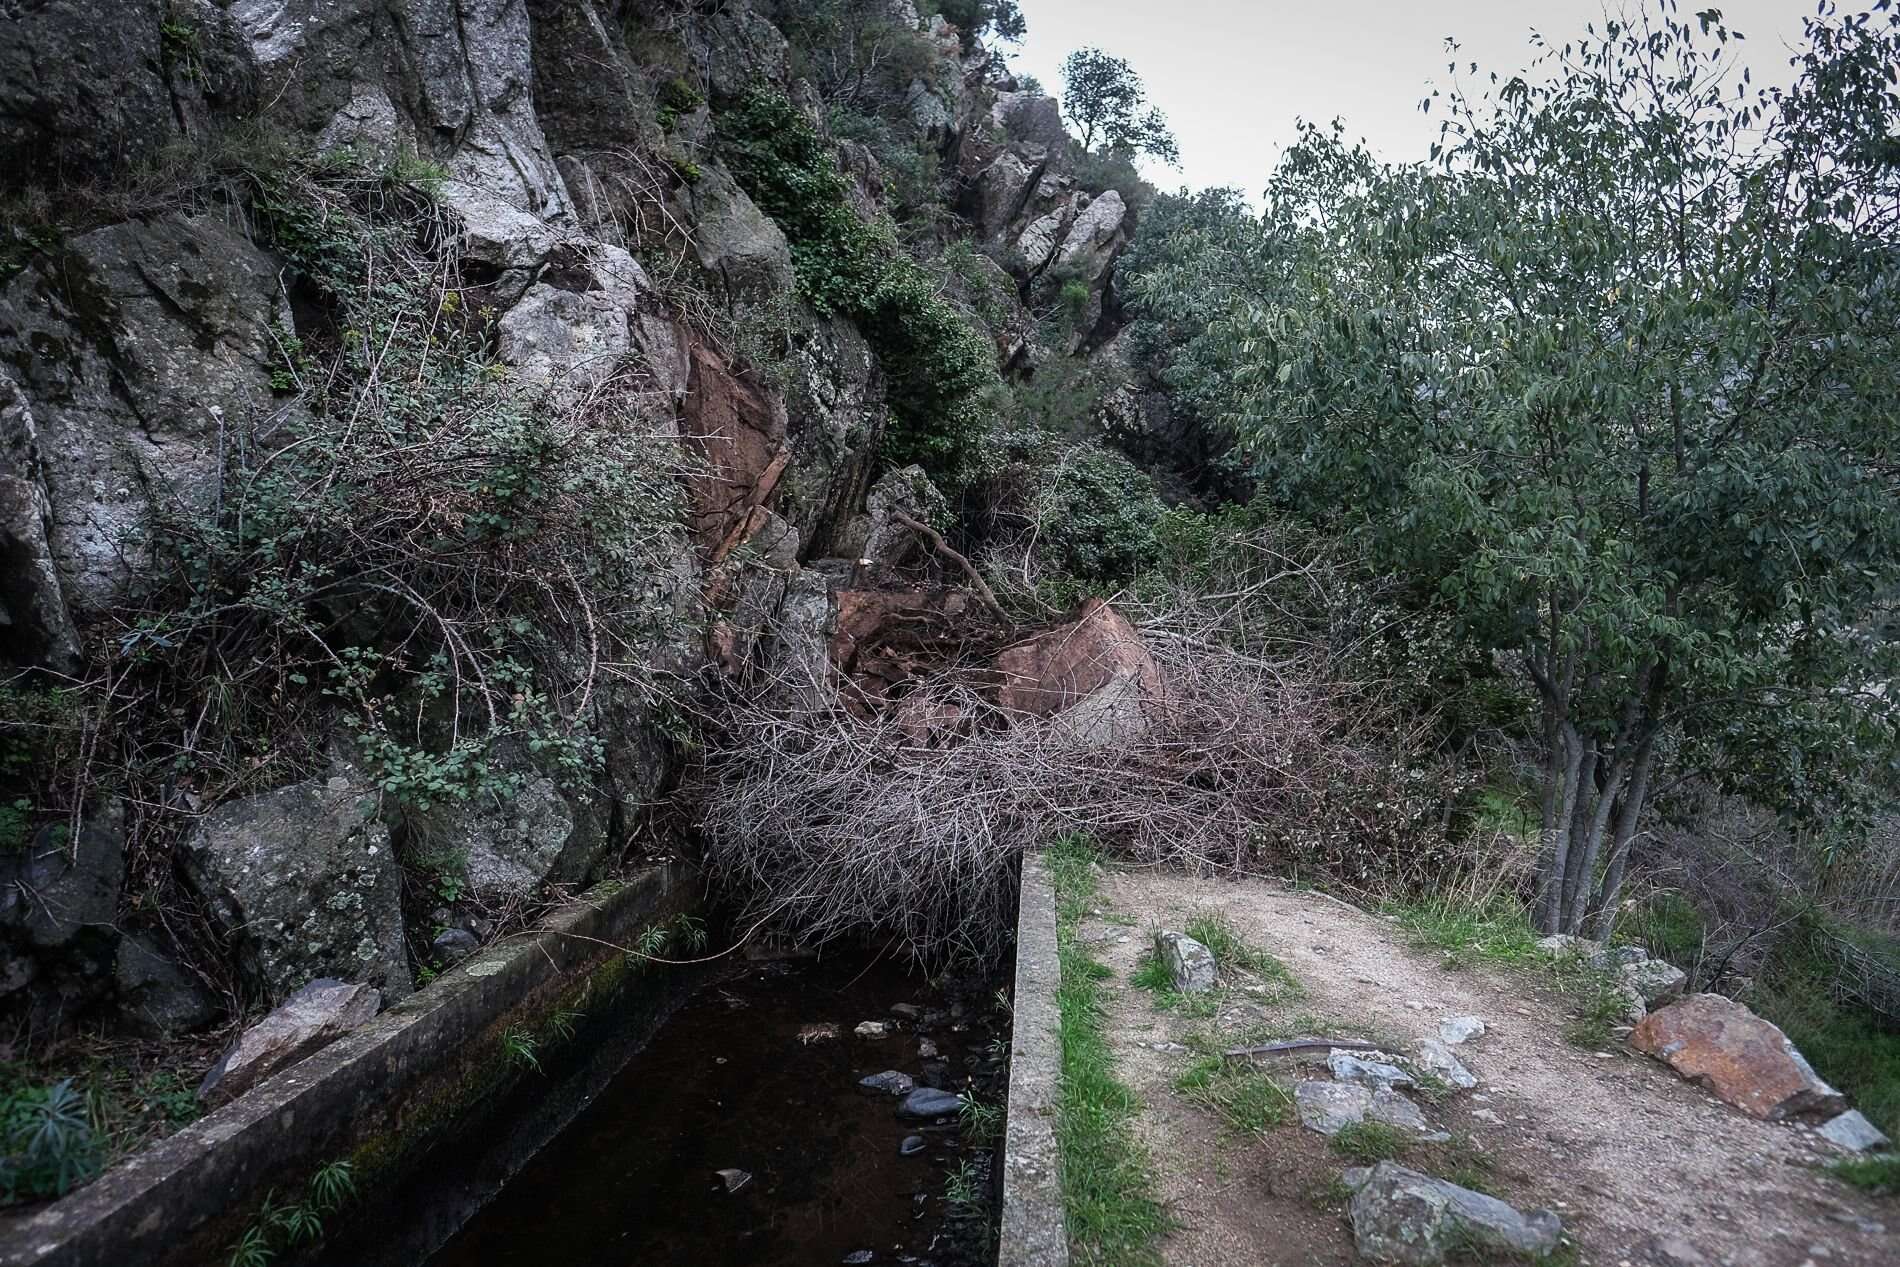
736, 1082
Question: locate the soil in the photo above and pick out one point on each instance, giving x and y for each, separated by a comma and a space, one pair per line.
1616, 1144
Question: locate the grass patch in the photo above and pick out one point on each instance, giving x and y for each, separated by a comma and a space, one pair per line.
1495, 931
1850, 1046
1370, 1142
1879, 1175
1232, 954
1498, 931
1108, 1181
1244, 1098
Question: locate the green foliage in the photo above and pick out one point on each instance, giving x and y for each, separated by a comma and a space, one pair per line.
1667, 924
1879, 1175
1101, 518
677, 96
981, 1122
936, 362
280, 1228
1369, 1143
49, 1140
518, 1048
1108, 104
1246, 1099
965, 1186
1108, 1180
1849, 1046
1614, 375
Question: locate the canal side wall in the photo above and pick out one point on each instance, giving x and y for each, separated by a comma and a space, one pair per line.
1033, 1232
385, 1098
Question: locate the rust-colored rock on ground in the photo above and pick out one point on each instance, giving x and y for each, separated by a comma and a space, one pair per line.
1744, 1060
1057, 668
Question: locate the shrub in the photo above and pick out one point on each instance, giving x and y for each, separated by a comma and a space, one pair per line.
937, 363
50, 1145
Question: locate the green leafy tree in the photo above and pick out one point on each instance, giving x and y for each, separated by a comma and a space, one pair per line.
1613, 379
1108, 105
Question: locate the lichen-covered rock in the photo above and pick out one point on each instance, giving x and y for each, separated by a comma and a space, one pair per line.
1401, 1216
1653, 980
137, 345
1743, 1059
739, 247
1094, 240
304, 882
309, 1020
836, 415
1190, 965
35, 627
514, 846
1030, 116
1367, 1068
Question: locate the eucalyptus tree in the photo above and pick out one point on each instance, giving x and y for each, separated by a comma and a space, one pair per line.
1614, 374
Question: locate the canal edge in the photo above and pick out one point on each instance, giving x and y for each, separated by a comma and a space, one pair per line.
1033, 1231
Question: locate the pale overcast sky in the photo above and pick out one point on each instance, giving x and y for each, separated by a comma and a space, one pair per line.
1233, 76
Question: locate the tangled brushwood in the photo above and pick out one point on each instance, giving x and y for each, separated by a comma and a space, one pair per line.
836, 826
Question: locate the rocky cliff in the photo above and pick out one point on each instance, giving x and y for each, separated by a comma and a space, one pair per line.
406, 403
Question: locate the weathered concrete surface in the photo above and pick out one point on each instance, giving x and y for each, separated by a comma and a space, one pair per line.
382, 1097
1033, 1231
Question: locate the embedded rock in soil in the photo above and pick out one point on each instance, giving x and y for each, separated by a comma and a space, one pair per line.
452, 945
912, 1145
1560, 944
928, 1102
1190, 965
1852, 1131
1062, 666
1401, 1216
1435, 1057
821, 1032
1371, 1068
1454, 1030
873, 1029
1330, 1107
1671, 1251
891, 1082
734, 1178
1744, 1060
1653, 979
313, 1017
303, 879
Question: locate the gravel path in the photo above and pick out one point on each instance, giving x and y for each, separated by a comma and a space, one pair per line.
1615, 1143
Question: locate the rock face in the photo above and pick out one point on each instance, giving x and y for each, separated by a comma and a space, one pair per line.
135, 344
1743, 1059
1190, 965
304, 881
56, 891
318, 1014
1401, 1216
1065, 665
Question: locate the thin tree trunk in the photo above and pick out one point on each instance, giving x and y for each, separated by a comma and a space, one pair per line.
1557, 832
1628, 816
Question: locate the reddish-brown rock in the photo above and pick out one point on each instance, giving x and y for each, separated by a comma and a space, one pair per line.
1067, 664
1743, 1059
734, 429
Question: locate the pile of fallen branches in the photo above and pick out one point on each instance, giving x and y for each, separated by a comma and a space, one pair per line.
833, 826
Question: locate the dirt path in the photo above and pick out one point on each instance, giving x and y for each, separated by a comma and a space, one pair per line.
1617, 1145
